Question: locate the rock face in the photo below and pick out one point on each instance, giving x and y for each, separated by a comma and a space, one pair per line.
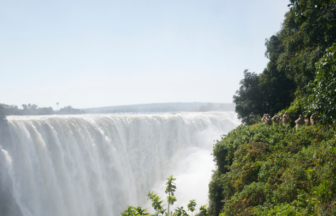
8, 205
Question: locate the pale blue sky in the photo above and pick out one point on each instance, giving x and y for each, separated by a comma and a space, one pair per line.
100, 53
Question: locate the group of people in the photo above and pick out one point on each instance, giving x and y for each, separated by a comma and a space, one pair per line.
283, 119
277, 119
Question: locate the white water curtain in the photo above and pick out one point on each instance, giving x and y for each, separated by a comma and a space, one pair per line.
96, 165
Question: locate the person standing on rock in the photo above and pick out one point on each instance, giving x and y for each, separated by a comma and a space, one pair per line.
299, 122
307, 120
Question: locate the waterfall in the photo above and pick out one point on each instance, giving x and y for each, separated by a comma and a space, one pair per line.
96, 165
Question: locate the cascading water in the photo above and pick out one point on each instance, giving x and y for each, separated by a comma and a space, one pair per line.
96, 165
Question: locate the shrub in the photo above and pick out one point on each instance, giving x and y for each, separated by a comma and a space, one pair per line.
275, 170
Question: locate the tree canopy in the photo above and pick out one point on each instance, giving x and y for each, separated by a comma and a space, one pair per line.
322, 99
308, 30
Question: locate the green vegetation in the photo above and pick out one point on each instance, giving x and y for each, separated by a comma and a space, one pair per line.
322, 99
158, 206
130, 211
191, 206
301, 58
170, 190
179, 211
203, 211
156, 203
275, 170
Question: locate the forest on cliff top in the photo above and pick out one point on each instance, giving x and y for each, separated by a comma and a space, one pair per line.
300, 76
277, 170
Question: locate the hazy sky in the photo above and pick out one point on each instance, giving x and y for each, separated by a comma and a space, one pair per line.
93, 53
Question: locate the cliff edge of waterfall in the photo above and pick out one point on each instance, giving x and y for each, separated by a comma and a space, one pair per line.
98, 164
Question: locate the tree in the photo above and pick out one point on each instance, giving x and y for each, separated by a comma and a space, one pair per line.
248, 98
141, 211
322, 99
191, 206
268, 92
134, 211
156, 202
308, 30
129, 211
320, 6
277, 89
33, 107
170, 190
179, 211
203, 211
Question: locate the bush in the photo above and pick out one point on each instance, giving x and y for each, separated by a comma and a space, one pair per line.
275, 170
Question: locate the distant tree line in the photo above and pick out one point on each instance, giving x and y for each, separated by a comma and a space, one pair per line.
33, 109
300, 75
70, 110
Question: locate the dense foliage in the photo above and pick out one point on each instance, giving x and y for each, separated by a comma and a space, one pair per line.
309, 29
323, 89
267, 92
275, 170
